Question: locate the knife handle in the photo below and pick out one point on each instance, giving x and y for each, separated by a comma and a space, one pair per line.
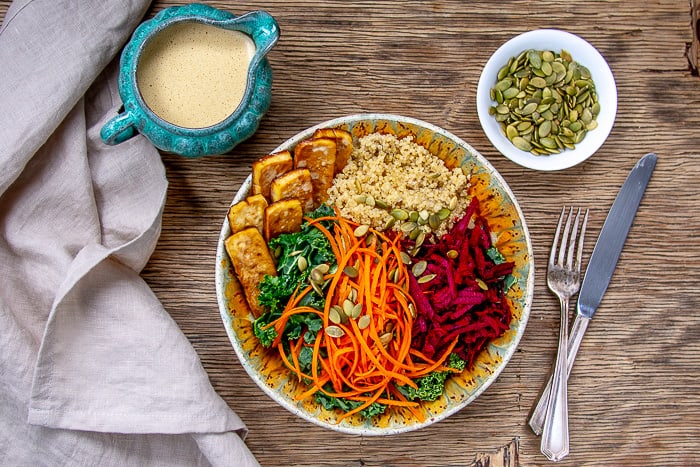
578, 329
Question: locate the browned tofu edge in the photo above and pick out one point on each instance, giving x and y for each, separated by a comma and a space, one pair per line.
268, 168
252, 261
294, 184
283, 216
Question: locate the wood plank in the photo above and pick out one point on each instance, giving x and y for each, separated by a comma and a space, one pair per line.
635, 388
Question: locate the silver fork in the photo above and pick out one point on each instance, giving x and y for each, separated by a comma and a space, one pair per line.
564, 279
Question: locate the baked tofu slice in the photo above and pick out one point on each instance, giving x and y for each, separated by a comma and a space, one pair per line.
248, 213
294, 184
318, 156
268, 168
252, 261
343, 145
284, 216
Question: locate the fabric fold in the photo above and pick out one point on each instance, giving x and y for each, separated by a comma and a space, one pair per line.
94, 370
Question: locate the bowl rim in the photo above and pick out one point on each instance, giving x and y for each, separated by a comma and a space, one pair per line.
582, 52
526, 299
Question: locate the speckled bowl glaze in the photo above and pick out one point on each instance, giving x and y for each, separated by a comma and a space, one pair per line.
194, 142
506, 220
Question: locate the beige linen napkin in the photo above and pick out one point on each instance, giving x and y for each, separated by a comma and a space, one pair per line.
93, 371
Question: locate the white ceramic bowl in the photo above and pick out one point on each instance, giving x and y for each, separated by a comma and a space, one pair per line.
583, 53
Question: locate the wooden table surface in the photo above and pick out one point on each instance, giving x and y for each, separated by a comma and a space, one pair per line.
634, 393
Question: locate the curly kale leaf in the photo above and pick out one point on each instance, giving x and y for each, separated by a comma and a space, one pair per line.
265, 336
431, 386
330, 402
275, 291
310, 243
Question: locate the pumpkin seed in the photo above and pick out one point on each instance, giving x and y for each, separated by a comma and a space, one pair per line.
317, 288
420, 239
351, 271
355, 311
482, 285
347, 307
426, 278
385, 338
453, 203
434, 221
334, 315
316, 276
407, 227
399, 214
405, 258
302, 263
363, 321
361, 230
452, 254
443, 214
543, 94
335, 331
522, 144
419, 268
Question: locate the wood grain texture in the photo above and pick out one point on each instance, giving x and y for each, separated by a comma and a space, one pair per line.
634, 394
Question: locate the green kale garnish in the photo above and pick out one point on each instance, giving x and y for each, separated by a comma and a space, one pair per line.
495, 255
330, 402
265, 336
431, 386
275, 291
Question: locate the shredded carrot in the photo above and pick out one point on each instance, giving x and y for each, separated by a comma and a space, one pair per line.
371, 354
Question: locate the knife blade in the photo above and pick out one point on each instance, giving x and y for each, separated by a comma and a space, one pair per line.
601, 267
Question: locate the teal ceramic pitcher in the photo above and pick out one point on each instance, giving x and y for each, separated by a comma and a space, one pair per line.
189, 133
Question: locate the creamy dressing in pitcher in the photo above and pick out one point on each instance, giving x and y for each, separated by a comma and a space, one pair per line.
194, 75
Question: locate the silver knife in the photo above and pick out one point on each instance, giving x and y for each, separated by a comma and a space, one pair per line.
601, 267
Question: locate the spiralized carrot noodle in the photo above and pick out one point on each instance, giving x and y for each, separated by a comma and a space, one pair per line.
373, 355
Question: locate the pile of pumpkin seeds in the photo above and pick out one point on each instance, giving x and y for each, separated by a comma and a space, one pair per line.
545, 101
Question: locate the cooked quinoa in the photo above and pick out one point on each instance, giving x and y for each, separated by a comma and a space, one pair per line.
385, 173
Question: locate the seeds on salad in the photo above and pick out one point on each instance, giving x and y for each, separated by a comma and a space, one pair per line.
336, 315
302, 263
335, 331
361, 230
545, 102
350, 271
405, 184
385, 338
426, 278
364, 321
419, 268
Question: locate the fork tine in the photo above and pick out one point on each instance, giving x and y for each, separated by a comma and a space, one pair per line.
553, 250
563, 249
580, 242
572, 240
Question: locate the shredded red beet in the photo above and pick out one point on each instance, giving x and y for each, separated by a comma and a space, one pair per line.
466, 299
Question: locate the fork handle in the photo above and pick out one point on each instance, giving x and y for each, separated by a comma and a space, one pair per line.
555, 436
578, 329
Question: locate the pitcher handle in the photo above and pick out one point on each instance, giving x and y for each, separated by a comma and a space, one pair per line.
118, 129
